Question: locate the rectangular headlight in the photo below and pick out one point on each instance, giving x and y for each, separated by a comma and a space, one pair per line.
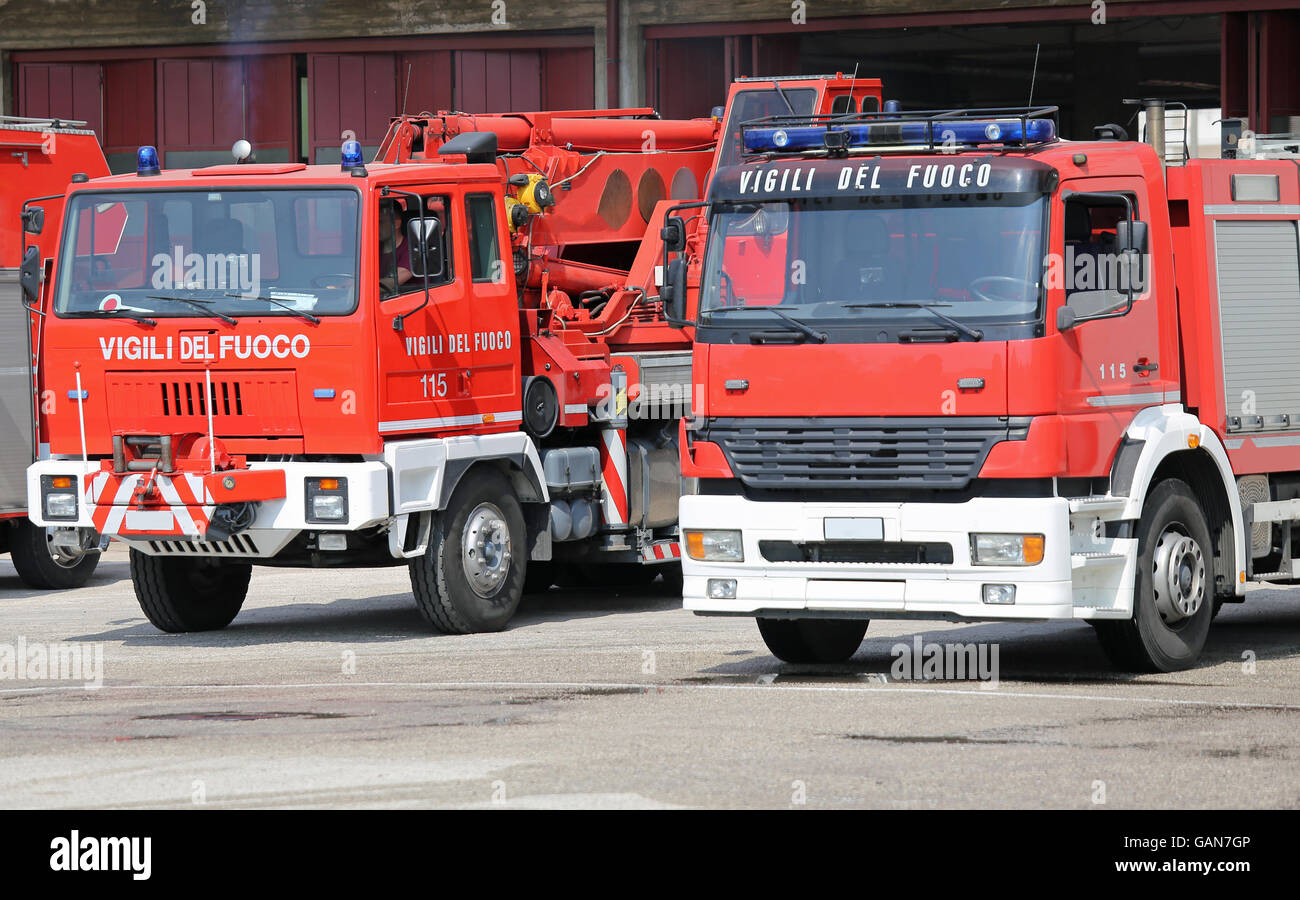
1006, 549
327, 499
61, 506
59, 497
715, 546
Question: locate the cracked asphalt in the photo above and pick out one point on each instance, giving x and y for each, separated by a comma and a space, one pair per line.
328, 691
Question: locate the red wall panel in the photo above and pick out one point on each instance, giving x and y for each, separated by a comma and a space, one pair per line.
355, 92
129, 102
568, 77
429, 88
61, 90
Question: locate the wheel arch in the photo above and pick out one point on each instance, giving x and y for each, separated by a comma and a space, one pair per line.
1175, 444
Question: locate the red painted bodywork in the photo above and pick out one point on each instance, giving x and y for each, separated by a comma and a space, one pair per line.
1079, 416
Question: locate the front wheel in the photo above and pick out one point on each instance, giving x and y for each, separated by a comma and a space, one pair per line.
1174, 589
813, 640
44, 565
180, 594
471, 576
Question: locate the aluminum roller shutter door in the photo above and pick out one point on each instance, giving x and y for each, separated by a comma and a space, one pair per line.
1259, 313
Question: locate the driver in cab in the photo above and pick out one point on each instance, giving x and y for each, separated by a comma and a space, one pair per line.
394, 252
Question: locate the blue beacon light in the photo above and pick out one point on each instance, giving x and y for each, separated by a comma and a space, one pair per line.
352, 156
146, 162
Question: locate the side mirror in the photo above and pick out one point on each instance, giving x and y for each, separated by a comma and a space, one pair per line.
1131, 235
425, 237
33, 219
1064, 318
673, 234
29, 275
673, 292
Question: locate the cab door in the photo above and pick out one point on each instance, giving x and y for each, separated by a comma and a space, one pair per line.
425, 344
1112, 365
494, 311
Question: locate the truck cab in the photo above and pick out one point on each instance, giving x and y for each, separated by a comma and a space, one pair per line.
942, 355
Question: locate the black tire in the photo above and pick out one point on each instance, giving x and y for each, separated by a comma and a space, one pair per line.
180, 594
445, 589
43, 568
813, 640
1170, 622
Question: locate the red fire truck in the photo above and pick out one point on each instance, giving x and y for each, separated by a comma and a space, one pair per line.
958, 368
452, 358
38, 158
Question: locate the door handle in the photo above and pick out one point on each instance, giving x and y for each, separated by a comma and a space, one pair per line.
1142, 367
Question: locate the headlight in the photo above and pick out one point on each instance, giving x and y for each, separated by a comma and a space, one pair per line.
327, 499
58, 498
61, 506
715, 546
1006, 549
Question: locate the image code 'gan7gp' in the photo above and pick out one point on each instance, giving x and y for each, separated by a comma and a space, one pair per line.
642, 405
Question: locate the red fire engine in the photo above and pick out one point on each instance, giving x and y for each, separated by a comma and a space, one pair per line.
452, 358
38, 158
957, 368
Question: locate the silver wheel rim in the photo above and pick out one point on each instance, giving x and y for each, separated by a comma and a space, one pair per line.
1178, 576
485, 549
62, 558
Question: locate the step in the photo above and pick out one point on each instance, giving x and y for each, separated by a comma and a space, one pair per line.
1097, 505
1096, 560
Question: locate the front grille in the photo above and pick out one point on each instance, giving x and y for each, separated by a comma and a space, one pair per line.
898, 552
241, 403
238, 545
936, 453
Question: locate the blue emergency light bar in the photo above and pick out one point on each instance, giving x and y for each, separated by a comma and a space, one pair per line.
930, 129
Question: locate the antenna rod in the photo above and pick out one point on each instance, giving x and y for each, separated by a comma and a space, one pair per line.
1034, 75
406, 91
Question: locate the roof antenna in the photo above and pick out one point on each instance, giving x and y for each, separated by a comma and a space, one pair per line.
852, 79
406, 91
1034, 75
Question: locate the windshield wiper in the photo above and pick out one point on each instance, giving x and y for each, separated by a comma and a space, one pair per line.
197, 304
973, 333
118, 312
801, 327
302, 314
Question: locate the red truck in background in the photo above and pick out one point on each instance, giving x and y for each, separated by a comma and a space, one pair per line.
452, 358
38, 159
956, 367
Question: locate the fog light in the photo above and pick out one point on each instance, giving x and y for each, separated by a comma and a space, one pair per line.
715, 546
722, 589
332, 540
1000, 594
1006, 549
61, 506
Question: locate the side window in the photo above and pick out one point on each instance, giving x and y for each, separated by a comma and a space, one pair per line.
1096, 275
484, 254
396, 276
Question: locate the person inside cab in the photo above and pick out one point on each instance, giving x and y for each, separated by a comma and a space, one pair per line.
394, 252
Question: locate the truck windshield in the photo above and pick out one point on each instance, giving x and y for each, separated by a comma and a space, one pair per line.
870, 263
204, 253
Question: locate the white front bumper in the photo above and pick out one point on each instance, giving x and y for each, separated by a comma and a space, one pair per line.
1043, 591
276, 521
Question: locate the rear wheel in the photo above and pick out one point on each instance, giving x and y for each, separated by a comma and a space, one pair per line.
179, 594
1174, 590
43, 565
471, 576
813, 640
